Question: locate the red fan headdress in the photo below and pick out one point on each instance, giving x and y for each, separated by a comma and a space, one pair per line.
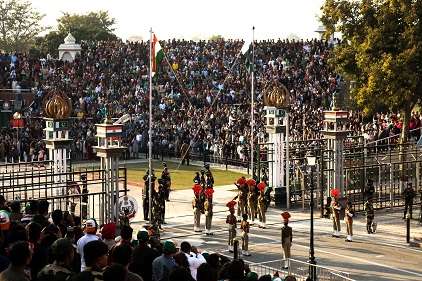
286, 216
197, 188
208, 192
241, 181
261, 186
335, 192
250, 182
231, 204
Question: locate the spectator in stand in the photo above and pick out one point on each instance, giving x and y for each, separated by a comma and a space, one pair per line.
115, 272
206, 273
95, 259
195, 259
122, 254
143, 257
164, 264
60, 269
90, 235
20, 256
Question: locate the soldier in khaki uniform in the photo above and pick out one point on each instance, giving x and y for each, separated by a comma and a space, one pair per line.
242, 198
196, 205
348, 219
208, 210
252, 199
335, 212
286, 238
244, 226
370, 214
232, 224
262, 206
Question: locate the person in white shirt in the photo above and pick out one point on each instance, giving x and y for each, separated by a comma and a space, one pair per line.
195, 258
90, 235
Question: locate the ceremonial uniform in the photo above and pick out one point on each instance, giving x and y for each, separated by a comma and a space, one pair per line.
370, 214
145, 194
244, 226
156, 208
286, 238
262, 205
196, 205
232, 223
242, 198
348, 219
252, 199
335, 211
208, 210
165, 176
409, 194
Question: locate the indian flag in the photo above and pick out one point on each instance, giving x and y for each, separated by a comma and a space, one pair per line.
157, 54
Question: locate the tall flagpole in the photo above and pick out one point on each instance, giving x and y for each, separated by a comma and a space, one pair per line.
150, 129
252, 100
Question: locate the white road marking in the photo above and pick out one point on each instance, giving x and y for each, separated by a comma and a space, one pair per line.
365, 261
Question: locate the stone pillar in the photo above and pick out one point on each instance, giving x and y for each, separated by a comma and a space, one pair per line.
335, 133
109, 150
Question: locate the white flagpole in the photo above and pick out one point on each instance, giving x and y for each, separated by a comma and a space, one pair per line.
252, 99
150, 129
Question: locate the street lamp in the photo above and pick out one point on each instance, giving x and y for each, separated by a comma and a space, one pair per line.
311, 162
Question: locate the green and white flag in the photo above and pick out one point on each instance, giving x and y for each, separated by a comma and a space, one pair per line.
157, 54
247, 52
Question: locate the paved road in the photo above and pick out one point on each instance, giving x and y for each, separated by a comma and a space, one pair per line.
383, 256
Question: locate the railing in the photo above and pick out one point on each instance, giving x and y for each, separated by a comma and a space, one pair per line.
389, 138
301, 270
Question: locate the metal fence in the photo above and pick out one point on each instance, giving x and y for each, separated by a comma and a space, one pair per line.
81, 192
300, 270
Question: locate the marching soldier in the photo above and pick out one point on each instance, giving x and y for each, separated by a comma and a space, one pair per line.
210, 177
370, 214
348, 219
145, 193
409, 194
156, 207
262, 206
252, 199
162, 199
203, 179
165, 175
242, 198
335, 211
369, 189
232, 223
196, 204
197, 178
286, 238
208, 210
244, 226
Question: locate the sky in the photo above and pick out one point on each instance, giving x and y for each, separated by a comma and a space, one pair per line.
197, 18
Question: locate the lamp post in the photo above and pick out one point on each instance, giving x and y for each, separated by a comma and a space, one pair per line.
311, 161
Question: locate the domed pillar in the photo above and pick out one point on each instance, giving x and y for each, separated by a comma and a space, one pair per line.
276, 106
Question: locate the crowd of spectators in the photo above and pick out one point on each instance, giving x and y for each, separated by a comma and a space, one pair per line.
201, 94
39, 246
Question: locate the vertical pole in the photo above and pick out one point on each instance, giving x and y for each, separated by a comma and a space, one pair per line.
287, 161
312, 262
252, 98
150, 128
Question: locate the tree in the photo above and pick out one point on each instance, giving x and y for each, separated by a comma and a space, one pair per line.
216, 37
97, 26
19, 24
381, 51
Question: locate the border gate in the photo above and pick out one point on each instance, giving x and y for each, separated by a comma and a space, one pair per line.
83, 194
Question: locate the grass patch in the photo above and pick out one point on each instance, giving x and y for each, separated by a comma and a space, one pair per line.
181, 178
